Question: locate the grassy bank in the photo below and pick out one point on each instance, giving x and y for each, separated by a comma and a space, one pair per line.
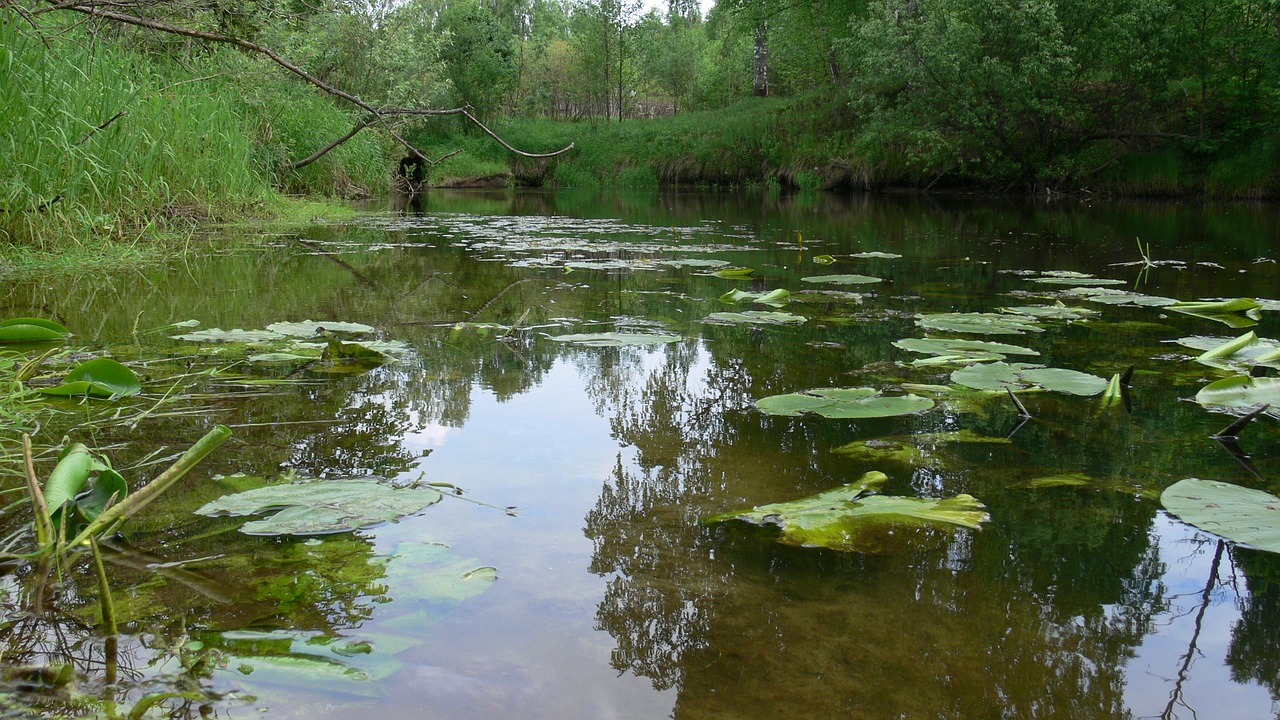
107, 148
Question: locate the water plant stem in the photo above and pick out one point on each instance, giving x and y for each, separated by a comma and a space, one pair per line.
131, 505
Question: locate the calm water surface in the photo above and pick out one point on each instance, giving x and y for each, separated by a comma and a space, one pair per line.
586, 470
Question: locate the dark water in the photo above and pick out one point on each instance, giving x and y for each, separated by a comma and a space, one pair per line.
613, 599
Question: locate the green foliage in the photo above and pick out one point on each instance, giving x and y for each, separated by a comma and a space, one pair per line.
481, 57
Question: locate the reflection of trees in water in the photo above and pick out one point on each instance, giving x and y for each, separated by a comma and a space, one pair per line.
744, 627
1252, 654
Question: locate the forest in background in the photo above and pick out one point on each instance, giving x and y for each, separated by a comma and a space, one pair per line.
111, 129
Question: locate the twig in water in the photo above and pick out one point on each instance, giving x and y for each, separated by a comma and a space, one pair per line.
1022, 409
1232, 431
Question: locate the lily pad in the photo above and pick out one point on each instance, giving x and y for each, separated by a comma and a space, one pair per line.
754, 317
1052, 312
1234, 353
996, 376
1074, 280
218, 335
1242, 392
948, 350
100, 377
776, 297
979, 323
876, 254
843, 403
842, 279
26, 329
311, 328
1239, 514
615, 339
735, 273
848, 517
1236, 313
321, 507
823, 260
693, 262
1126, 298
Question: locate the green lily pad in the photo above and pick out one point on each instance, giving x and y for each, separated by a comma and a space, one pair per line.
996, 376
1074, 280
776, 297
979, 323
281, 357
1065, 480
1241, 392
311, 328
843, 403
615, 339
25, 329
881, 450
754, 317
850, 518
1052, 312
218, 335
693, 262
735, 273
1125, 298
949, 351
876, 254
322, 507
100, 377
1234, 353
1234, 305
842, 279
823, 260
1239, 514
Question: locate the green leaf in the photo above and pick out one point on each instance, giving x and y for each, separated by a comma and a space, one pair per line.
823, 260
25, 329
843, 403
1239, 514
69, 476
960, 349
108, 488
996, 376
1234, 305
1242, 392
100, 377
1051, 312
322, 506
776, 297
218, 335
1073, 280
842, 279
876, 254
735, 273
848, 518
979, 323
615, 339
754, 317
311, 328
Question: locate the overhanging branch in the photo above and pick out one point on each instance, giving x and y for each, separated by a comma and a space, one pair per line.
375, 114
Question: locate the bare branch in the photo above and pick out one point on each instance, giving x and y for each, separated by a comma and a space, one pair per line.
103, 126
96, 9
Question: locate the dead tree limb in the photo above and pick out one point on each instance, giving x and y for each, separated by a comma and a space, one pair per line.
97, 10
325, 150
103, 126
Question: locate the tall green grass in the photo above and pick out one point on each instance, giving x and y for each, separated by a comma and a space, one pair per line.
210, 138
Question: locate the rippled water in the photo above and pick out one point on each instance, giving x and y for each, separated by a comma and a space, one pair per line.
588, 471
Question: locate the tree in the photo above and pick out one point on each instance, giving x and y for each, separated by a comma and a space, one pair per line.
481, 56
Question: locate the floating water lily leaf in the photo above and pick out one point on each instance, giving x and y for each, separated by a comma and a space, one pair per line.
1075, 280
25, 329
693, 262
881, 450
1234, 353
1124, 298
773, 297
842, 279
979, 323
615, 339
1242, 392
876, 254
823, 260
1239, 514
754, 317
844, 518
1064, 480
1236, 313
100, 377
997, 376
948, 350
735, 273
311, 328
1052, 312
843, 403
321, 507
281, 357
218, 335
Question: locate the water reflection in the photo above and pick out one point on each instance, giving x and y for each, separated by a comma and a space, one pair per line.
1070, 603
